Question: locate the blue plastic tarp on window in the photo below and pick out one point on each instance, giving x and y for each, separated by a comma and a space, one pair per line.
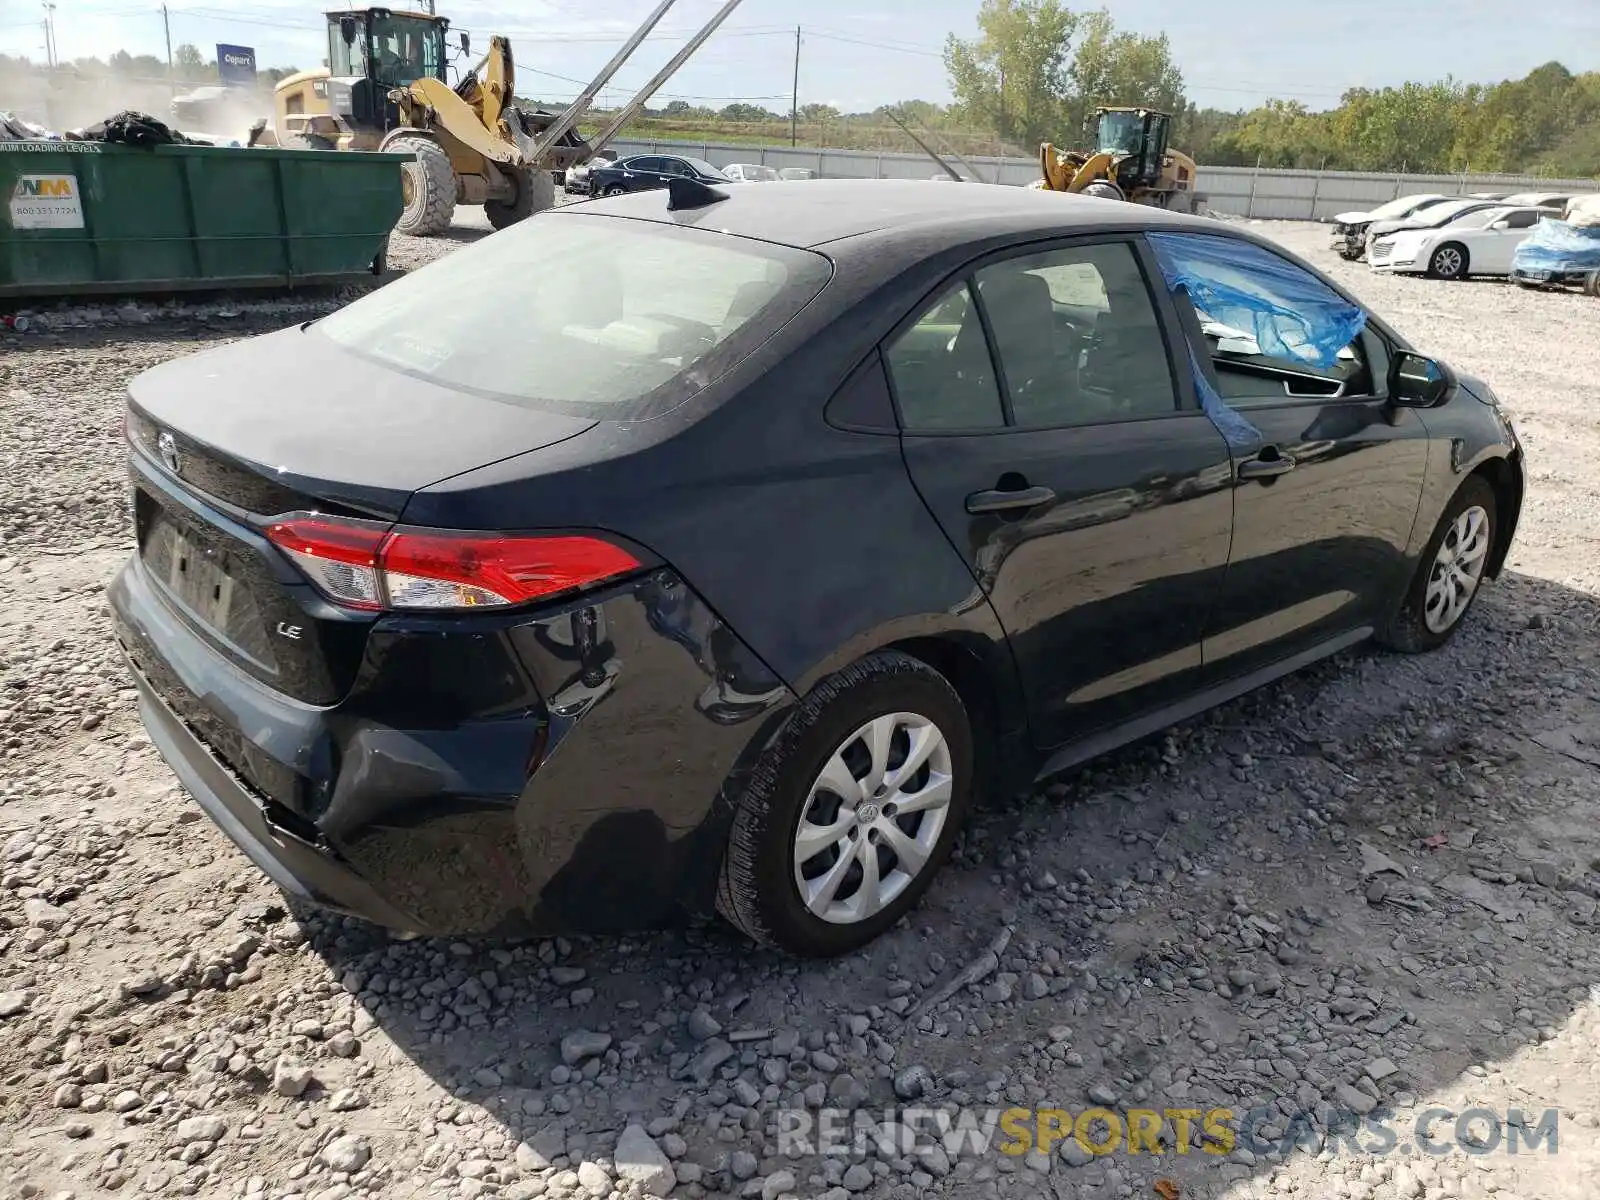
1558, 246
1290, 312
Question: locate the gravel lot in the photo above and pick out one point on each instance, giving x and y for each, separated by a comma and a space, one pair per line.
1375, 883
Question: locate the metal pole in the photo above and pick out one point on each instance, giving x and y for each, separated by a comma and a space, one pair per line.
1250, 205
677, 60
166, 25
49, 33
794, 102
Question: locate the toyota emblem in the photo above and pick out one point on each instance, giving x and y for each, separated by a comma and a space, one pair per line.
167, 448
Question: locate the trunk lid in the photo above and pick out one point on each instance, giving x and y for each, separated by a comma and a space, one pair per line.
226, 439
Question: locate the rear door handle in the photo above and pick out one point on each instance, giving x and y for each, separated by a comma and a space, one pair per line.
1265, 468
998, 501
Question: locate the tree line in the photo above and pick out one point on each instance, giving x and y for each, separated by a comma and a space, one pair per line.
1037, 70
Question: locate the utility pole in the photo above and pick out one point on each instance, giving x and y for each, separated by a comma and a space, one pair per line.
167, 26
49, 33
794, 103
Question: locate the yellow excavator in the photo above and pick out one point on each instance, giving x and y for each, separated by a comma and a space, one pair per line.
385, 88
1130, 161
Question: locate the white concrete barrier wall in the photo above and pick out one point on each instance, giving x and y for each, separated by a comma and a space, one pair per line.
1241, 191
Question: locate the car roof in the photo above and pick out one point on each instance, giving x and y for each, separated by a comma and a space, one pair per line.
836, 209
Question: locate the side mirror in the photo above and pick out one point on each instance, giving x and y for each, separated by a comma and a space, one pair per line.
1416, 381
1501, 225
466, 42
347, 30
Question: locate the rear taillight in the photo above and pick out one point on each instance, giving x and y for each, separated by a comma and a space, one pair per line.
372, 566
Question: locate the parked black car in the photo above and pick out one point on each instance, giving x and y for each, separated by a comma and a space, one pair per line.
645, 172
738, 574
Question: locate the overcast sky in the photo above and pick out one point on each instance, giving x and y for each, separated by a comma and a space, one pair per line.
1234, 53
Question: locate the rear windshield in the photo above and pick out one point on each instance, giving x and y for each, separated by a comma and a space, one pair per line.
587, 315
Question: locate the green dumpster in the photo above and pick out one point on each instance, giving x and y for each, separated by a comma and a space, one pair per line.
97, 217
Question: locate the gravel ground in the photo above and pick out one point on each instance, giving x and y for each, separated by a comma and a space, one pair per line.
1374, 884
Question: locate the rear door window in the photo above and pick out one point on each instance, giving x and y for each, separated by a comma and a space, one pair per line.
943, 376
1076, 334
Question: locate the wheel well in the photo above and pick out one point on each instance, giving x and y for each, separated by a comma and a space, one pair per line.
971, 678
1466, 255
1502, 475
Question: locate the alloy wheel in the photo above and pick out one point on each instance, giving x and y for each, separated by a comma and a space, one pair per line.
1457, 569
872, 818
1447, 262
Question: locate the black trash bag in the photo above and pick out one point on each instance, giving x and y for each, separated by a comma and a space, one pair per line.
132, 129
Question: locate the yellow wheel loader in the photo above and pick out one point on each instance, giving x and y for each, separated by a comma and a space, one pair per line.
385, 88
1130, 161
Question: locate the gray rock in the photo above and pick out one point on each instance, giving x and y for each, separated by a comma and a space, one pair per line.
346, 1100
43, 915
785, 1042
542, 1149
1380, 1069
857, 1178
142, 984
913, 1083
201, 1129
343, 1044
1035, 1160
777, 1184
703, 1026
593, 1179
68, 1095
703, 1066
13, 1003
348, 1153
567, 976
289, 1078
1353, 1099
743, 1165
126, 1101
1035, 987
583, 1044
643, 1163
847, 1091
1073, 1153
824, 1062
1102, 1095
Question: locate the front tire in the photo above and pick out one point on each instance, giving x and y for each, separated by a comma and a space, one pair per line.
536, 191
851, 810
1449, 261
1450, 573
616, 189
1104, 189
428, 187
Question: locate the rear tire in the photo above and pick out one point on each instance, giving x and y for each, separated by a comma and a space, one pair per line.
616, 189
1434, 604
536, 191
429, 187
860, 724
1449, 261
1352, 255
1591, 284
1105, 190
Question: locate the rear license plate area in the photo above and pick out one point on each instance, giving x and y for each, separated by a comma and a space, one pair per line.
197, 576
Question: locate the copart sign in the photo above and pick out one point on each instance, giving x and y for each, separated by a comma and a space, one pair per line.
46, 202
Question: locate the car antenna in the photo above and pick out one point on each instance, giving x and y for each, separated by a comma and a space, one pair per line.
683, 192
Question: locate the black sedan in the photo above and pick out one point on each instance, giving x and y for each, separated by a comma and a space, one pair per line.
647, 172
737, 576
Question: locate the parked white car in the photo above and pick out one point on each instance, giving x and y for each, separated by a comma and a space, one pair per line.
1475, 243
749, 173
796, 173
1349, 236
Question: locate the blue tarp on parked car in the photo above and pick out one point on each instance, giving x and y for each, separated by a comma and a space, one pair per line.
1557, 248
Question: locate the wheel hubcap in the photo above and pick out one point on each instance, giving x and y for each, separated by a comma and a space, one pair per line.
1449, 261
1457, 569
872, 818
